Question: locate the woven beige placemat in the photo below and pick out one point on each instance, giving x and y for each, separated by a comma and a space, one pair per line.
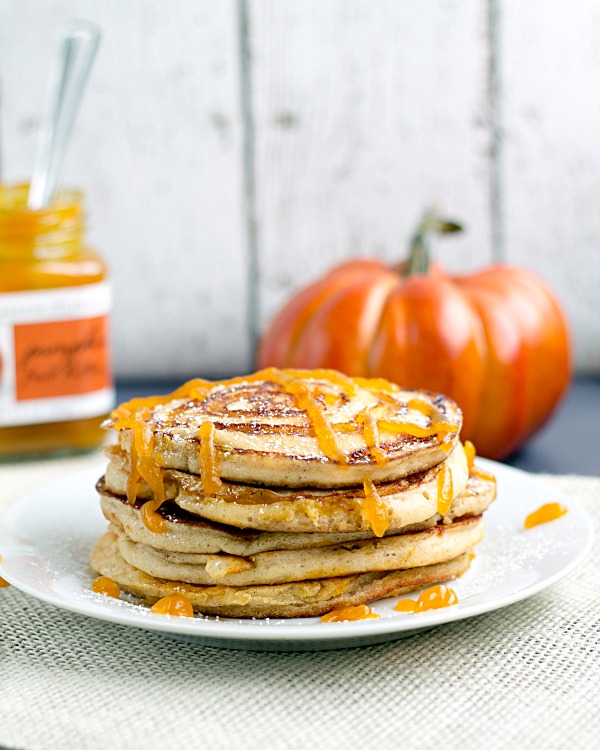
527, 676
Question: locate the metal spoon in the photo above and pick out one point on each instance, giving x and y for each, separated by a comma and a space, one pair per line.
77, 52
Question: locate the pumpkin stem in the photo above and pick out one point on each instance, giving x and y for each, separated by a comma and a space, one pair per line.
418, 260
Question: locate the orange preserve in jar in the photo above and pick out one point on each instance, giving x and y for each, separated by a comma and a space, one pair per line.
55, 372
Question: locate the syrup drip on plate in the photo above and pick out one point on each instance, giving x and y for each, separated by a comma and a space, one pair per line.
174, 605
545, 514
348, 614
436, 597
107, 587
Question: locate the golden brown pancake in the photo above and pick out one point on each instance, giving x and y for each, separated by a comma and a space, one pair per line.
404, 501
189, 533
298, 599
269, 429
408, 550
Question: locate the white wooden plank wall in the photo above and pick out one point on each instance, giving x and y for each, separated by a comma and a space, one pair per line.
158, 150
365, 113
550, 60
217, 184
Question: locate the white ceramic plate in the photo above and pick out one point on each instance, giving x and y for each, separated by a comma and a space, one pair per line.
46, 537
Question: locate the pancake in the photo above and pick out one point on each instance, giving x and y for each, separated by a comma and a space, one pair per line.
408, 550
188, 533
404, 501
298, 599
294, 428
288, 493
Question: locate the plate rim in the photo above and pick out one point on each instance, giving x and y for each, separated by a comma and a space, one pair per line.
256, 631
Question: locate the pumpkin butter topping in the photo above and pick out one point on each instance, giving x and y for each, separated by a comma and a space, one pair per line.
350, 614
106, 586
436, 597
545, 514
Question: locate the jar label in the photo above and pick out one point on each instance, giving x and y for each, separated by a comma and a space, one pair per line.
54, 355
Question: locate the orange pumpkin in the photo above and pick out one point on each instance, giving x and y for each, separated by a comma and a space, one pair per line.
496, 341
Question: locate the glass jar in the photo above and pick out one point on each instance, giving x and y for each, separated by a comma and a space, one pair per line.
55, 373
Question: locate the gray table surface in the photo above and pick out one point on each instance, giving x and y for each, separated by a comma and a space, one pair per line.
568, 444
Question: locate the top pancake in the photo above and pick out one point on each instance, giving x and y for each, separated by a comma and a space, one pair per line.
294, 428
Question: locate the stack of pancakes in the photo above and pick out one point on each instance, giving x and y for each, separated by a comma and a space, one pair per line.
288, 494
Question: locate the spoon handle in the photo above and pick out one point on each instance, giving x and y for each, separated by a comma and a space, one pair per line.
77, 52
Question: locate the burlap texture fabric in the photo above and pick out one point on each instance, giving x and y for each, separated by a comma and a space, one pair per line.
527, 676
